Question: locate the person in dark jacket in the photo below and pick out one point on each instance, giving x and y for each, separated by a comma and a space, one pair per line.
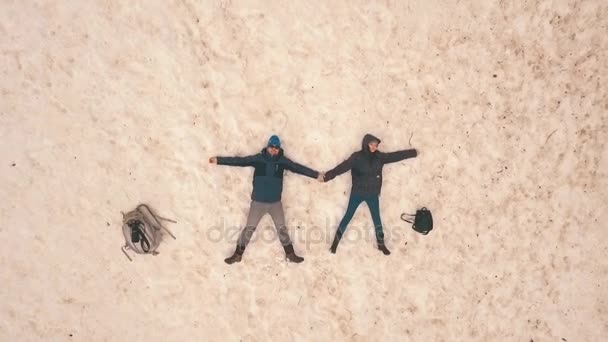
269, 166
366, 169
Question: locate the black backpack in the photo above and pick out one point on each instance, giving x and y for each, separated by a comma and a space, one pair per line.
423, 221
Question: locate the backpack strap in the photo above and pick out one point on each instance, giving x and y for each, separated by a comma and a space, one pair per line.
138, 234
157, 218
145, 244
407, 220
124, 250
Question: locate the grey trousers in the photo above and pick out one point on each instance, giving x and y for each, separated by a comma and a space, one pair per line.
256, 212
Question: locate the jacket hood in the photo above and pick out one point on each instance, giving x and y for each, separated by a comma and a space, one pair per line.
366, 140
267, 155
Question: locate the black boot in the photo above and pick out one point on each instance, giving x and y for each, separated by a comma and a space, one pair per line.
237, 256
383, 248
334, 244
291, 255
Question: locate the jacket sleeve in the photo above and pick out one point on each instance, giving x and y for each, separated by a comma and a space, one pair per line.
393, 157
300, 169
341, 168
237, 161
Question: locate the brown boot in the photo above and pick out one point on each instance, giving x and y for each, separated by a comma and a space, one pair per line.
383, 248
291, 255
237, 256
334, 245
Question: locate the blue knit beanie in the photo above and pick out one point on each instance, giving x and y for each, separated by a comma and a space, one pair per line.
274, 141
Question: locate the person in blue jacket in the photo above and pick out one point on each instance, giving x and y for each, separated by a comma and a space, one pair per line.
366, 169
269, 165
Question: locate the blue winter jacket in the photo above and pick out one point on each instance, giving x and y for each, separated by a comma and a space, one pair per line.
268, 174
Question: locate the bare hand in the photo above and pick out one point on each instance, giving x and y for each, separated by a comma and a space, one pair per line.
213, 160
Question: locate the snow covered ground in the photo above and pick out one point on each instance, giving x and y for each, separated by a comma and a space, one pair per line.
108, 104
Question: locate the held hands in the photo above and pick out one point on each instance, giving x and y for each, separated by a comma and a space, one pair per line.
213, 160
321, 177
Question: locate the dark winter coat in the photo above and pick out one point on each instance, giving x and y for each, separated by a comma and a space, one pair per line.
268, 174
366, 167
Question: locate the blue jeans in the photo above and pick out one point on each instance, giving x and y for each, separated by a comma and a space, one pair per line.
373, 204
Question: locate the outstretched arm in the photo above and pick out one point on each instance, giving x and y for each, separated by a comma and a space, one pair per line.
341, 168
236, 161
300, 169
392, 157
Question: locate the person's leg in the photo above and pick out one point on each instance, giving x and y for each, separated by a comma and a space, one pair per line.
373, 203
353, 203
278, 216
256, 212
